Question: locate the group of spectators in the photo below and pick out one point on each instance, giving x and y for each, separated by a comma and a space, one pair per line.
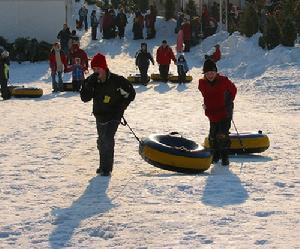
112, 24
75, 61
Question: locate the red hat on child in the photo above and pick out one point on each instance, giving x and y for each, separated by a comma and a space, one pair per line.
99, 61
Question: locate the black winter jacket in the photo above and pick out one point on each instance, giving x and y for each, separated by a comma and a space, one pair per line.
110, 98
143, 58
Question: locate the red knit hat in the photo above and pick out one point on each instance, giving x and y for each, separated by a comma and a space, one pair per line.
99, 61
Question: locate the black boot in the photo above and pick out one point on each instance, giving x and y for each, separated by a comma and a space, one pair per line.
225, 159
216, 157
103, 172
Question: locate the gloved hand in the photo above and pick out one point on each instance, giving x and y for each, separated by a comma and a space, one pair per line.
93, 79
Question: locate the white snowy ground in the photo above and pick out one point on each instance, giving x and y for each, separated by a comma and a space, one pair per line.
51, 197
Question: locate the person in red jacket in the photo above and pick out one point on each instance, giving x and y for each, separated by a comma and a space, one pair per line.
58, 65
216, 56
164, 55
77, 52
187, 35
218, 93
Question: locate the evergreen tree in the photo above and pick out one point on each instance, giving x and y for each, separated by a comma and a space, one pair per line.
249, 21
190, 8
115, 3
169, 9
272, 33
142, 5
297, 16
288, 34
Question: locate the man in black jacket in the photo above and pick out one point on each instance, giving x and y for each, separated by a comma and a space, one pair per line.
111, 95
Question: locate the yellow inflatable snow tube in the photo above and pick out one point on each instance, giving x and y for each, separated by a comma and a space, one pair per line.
175, 153
136, 79
171, 77
244, 143
29, 92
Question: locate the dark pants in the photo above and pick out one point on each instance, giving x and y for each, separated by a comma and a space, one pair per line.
121, 31
106, 143
94, 33
4, 90
187, 45
181, 74
219, 140
144, 73
164, 72
76, 84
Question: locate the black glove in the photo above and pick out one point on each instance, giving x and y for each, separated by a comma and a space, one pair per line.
92, 80
228, 104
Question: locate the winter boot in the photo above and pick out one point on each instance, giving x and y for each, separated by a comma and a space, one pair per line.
225, 160
103, 172
216, 157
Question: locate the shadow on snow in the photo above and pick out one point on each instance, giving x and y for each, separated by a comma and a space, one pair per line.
92, 202
223, 188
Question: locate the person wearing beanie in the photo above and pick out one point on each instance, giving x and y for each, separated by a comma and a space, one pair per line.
142, 61
218, 93
111, 94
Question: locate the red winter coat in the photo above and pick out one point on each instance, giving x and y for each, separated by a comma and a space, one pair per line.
187, 31
52, 61
77, 52
216, 56
165, 55
214, 96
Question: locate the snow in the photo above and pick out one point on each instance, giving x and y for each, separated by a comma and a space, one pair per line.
52, 198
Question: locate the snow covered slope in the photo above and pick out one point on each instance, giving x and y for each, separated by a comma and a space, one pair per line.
51, 197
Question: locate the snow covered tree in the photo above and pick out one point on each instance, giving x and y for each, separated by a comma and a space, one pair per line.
190, 8
249, 21
288, 33
169, 9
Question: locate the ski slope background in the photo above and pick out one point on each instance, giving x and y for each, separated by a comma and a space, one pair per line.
50, 196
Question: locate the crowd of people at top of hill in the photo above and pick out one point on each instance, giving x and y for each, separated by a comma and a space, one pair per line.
112, 23
66, 56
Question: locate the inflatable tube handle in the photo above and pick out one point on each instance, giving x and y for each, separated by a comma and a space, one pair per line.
175, 133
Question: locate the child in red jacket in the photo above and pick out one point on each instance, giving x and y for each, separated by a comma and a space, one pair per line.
218, 93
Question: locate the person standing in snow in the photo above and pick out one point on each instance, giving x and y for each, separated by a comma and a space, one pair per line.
77, 75
182, 68
111, 96
4, 74
58, 64
83, 12
94, 24
77, 52
142, 61
121, 22
218, 93
164, 55
64, 37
